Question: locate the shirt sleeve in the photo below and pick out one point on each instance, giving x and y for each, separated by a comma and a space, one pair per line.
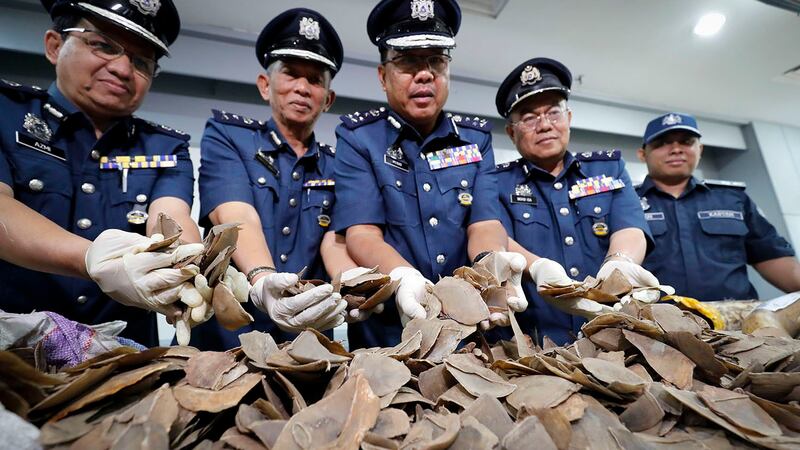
358, 195
223, 175
177, 181
485, 192
626, 210
763, 242
5, 168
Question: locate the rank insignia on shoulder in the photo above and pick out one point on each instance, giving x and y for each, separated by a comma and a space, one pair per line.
329, 149
319, 183
17, 87
508, 165
138, 162
359, 118
602, 155
237, 120
594, 185
451, 157
726, 183
476, 123
164, 129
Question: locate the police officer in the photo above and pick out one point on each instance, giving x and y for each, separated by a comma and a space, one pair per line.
414, 185
278, 181
574, 212
706, 231
74, 162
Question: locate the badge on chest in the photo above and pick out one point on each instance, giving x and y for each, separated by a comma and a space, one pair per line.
395, 157
37, 136
523, 194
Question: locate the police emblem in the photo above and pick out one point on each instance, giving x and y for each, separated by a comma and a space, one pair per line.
523, 190
37, 127
309, 28
671, 119
465, 199
395, 152
147, 7
530, 75
422, 9
324, 220
137, 216
645, 204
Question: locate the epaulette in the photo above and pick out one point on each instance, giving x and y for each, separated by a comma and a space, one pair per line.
163, 129
237, 120
476, 123
726, 183
11, 86
327, 149
602, 155
360, 118
508, 165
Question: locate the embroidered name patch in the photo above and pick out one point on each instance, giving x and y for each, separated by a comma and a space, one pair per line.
654, 216
720, 214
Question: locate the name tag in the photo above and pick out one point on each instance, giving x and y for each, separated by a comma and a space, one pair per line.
720, 214
41, 147
654, 216
451, 157
397, 163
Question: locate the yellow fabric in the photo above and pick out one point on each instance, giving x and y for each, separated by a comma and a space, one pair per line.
704, 309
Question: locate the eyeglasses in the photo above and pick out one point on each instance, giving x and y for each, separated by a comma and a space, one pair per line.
530, 122
687, 141
108, 49
411, 64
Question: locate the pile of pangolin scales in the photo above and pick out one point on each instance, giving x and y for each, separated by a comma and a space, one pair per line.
646, 376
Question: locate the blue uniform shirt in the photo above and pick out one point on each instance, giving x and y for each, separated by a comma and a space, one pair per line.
50, 156
706, 237
423, 193
293, 197
539, 214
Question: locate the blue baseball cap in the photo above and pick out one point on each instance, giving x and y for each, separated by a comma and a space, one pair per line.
668, 122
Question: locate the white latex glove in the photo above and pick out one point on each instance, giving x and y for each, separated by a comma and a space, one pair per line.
516, 264
637, 275
118, 263
357, 315
318, 308
410, 293
545, 271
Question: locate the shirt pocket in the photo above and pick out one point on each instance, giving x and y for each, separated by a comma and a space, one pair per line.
456, 187
137, 197
318, 209
722, 223
400, 201
657, 222
592, 208
44, 184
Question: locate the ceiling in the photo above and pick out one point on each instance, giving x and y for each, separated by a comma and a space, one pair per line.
638, 52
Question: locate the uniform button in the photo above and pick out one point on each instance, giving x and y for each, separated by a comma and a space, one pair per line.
426, 187
569, 240
87, 188
398, 183
36, 185
558, 185
574, 272
292, 202
141, 198
261, 180
286, 231
422, 156
284, 258
526, 215
84, 224
82, 299
464, 183
433, 221
295, 176
440, 259
95, 155
598, 210
326, 203
564, 211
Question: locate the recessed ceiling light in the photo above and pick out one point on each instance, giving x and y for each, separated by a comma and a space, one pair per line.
709, 24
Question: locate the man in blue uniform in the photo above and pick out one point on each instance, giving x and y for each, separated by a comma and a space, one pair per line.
706, 231
278, 181
563, 211
414, 185
74, 162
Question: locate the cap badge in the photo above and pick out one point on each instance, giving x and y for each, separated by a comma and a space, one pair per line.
422, 9
530, 75
37, 127
147, 7
672, 119
309, 28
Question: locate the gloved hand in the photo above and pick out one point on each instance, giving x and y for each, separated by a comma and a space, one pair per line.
515, 263
357, 315
545, 271
636, 274
318, 308
118, 263
410, 293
